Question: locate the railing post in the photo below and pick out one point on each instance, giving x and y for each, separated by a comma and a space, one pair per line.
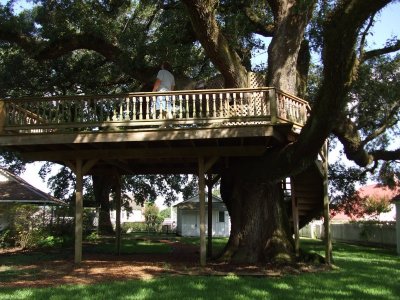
273, 105
2, 115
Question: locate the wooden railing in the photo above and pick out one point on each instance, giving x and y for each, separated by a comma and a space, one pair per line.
196, 108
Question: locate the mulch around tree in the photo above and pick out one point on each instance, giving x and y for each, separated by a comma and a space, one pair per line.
96, 268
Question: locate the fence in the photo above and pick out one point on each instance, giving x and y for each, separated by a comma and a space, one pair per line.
359, 233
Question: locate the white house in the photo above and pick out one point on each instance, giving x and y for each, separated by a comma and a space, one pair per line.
188, 217
134, 216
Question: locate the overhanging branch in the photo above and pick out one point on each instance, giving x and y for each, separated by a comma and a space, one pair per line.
378, 52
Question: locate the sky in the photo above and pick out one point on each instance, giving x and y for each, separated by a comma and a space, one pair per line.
386, 26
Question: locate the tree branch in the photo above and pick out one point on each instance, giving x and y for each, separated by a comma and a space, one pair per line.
340, 37
389, 121
347, 133
378, 52
224, 57
386, 155
260, 28
364, 34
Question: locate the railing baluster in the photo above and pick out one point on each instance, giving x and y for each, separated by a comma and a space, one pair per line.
140, 108
235, 113
180, 107
153, 105
147, 108
127, 112
187, 115
194, 106
134, 99
201, 106
228, 104
214, 96
207, 106
173, 106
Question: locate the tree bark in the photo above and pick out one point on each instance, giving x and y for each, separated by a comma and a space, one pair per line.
291, 18
203, 17
260, 229
102, 187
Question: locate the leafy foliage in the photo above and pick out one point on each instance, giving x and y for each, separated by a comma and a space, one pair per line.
152, 217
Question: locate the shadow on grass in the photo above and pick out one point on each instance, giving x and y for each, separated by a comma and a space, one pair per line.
308, 286
363, 273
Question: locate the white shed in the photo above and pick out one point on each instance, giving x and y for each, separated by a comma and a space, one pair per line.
188, 217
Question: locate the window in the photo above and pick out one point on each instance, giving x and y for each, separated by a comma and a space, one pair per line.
221, 217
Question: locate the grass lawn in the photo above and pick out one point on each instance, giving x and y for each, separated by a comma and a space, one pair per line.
362, 273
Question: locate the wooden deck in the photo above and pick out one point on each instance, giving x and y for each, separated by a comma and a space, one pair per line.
126, 131
198, 132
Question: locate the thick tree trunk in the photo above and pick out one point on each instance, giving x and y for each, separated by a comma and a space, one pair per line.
291, 18
102, 188
260, 229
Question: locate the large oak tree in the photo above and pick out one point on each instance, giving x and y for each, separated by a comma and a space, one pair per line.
132, 36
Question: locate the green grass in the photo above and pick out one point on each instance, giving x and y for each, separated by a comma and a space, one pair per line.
130, 246
362, 273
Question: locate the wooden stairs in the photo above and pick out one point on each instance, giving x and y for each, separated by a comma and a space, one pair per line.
305, 192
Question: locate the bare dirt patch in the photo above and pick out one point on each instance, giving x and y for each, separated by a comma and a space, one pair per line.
96, 268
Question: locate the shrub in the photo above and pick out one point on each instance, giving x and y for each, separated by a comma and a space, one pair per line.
5, 238
128, 227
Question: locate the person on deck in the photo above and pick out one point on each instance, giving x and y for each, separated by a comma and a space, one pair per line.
165, 82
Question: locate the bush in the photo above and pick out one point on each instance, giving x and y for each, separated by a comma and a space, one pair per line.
5, 238
50, 242
128, 227
31, 227
93, 237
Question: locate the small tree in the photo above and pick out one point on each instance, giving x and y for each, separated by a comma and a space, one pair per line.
165, 213
374, 205
152, 217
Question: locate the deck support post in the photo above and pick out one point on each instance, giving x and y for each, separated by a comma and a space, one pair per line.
78, 211
202, 201
117, 190
210, 181
209, 215
80, 169
397, 202
295, 216
2, 115
327, 228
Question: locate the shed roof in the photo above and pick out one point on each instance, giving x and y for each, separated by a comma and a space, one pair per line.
194, 203
13, 189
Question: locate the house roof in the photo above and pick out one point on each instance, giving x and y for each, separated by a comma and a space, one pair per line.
373, 190
194, 202
379, 191
14, 189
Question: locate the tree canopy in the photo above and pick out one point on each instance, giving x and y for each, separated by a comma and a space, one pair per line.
85, 47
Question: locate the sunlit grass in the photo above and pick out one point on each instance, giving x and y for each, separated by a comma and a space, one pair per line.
362, 273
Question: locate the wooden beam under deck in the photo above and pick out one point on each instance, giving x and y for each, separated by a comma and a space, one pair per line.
136, 136
145, 153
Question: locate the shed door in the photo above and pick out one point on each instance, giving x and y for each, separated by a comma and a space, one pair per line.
190, 226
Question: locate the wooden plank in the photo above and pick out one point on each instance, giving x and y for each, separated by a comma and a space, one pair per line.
143, 153
140, 136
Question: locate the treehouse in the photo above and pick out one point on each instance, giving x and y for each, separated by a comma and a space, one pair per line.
199, 132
